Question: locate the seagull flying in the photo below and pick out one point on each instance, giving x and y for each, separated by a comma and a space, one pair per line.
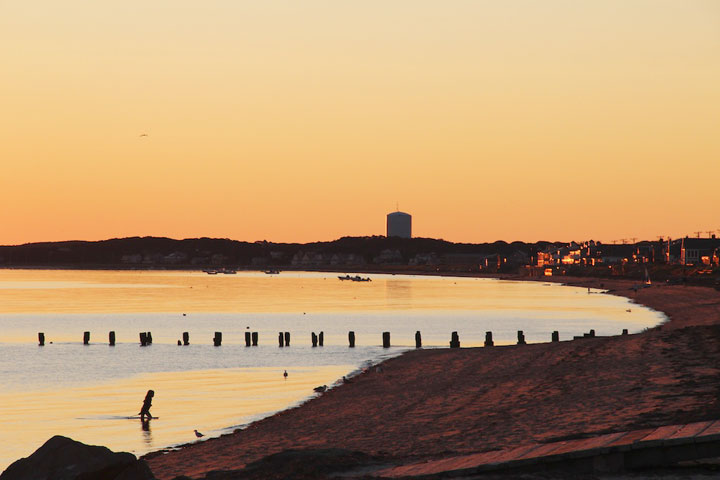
198, 434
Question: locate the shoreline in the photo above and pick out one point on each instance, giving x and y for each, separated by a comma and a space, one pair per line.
459, 401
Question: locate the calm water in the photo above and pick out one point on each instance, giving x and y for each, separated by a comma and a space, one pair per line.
86, 392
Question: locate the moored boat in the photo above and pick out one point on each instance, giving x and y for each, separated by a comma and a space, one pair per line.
356, 278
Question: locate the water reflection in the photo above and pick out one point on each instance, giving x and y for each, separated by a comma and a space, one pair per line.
398, 292
209, 400
146, 433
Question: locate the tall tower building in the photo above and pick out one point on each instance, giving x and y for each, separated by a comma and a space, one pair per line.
399, 224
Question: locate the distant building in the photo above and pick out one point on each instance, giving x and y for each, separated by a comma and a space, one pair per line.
696, 251
399, 224
389, 256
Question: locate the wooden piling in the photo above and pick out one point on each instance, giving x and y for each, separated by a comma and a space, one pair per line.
111, 338
248, 340
143, 339
41, 339
418, 339
454, 340
281, 340
321, 338
287, 339
254, 339
217, 339
186, 338
590, 334
625, 331
149, 338
86, 338
521, 337
555, 336
488, 339
314, 339
386, 339
351, 339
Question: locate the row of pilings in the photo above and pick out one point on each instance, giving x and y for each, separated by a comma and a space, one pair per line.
251, 339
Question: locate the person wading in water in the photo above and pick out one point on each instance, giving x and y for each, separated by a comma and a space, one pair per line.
147, 403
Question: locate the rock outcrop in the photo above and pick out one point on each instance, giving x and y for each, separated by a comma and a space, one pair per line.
62, 458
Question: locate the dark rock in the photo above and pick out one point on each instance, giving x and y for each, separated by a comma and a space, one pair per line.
62, 458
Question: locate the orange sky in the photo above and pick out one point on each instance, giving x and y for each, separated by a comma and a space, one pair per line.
303, 121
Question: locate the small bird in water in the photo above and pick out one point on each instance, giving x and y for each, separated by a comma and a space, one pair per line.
143, 135
198, 434
285, 374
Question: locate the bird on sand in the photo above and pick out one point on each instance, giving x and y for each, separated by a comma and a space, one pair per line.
320, 389
198, 434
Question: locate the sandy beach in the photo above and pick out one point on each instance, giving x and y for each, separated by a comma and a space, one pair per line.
439, 402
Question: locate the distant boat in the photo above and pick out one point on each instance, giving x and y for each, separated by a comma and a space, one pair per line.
272, 271
356, 278
226, 271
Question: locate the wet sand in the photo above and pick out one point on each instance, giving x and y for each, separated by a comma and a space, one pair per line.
433, 403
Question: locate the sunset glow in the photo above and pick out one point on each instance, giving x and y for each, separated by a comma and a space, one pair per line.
303, 121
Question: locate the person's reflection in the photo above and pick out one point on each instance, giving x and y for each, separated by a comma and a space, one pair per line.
147, 434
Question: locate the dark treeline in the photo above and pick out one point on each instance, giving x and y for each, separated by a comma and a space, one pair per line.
139, 252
